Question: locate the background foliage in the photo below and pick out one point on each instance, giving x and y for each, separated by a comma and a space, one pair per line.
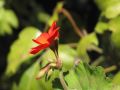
90, 52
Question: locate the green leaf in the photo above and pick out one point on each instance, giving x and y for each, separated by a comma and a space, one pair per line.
112, 11
73, 81
114, 24
116, 79
19, 51
115, 37
84, 44
66, 54
43, 17
28, 81
81, 77
8, 20
2, 2
84, 77
116, 87
11, 18
104, 4
109, 8
101, 27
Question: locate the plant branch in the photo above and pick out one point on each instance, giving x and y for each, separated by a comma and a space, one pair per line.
69, 17
61, 77
46, 28
111, 68
95, 48
98, 61
73, 45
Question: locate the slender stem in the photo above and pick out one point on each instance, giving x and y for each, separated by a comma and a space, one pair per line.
98, 61
95, 48
73, 45
76, 28
85, 32
58, 61
45, 28
56, 54
109, 69
61, 77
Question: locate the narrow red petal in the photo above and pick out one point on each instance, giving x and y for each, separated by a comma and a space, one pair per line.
52, 27
42, 39
54, 35
36, 41
35, 50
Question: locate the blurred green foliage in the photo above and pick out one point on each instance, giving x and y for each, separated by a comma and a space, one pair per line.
109, 22
87, 78
110, 9
24, 43
116, 79
8, 20
86, 43
78, 73
28, 81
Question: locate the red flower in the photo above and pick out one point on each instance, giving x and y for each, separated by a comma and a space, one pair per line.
46, 40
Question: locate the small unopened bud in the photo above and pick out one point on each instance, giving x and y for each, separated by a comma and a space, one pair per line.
45, 70
49, 73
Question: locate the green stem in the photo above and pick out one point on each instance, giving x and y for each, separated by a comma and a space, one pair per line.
73, 45
61, 77
98, 61
95, 48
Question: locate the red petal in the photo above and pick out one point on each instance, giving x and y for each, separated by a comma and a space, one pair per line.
42, 39
35, 50
55, 34
36, 41
52, 28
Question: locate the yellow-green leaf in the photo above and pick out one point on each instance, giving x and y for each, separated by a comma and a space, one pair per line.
19, 51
